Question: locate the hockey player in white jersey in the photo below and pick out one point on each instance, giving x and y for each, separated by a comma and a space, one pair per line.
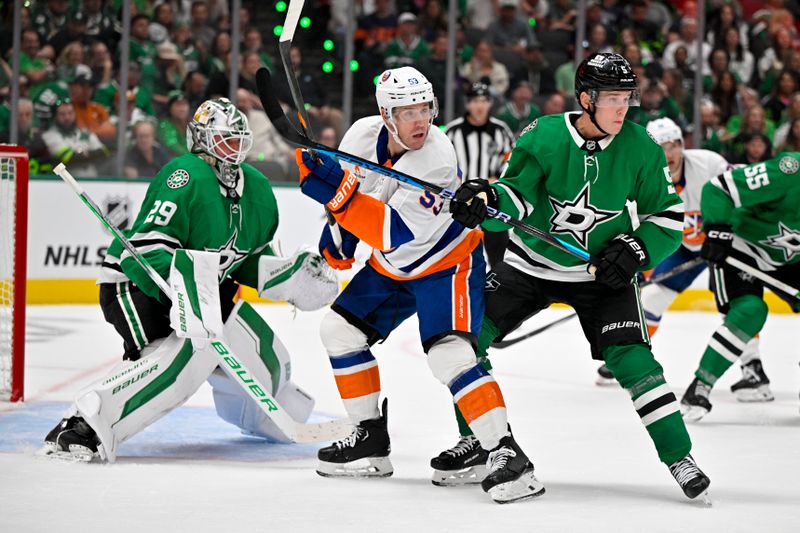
206, 200
690, 170
422, 262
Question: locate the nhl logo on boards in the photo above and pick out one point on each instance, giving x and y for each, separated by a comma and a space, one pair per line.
788, 165
117, 210
178, 179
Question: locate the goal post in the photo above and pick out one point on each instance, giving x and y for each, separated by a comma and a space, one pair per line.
13, 260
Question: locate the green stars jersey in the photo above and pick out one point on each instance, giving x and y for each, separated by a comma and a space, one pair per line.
583, 193
761, 202
185, 207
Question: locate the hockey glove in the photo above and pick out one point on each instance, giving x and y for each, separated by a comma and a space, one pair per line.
618, 263
718, 243
328, 249
324, 180
472, 198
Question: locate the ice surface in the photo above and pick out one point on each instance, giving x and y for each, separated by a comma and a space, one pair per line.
192, 472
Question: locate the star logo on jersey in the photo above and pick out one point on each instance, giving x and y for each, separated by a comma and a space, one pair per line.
178, 179
787, 240
578, 217
229, 254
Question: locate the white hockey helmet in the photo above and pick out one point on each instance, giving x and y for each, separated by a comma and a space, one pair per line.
215, 127
404, 86
664, 130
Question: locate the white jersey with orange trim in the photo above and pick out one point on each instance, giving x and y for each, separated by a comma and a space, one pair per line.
438, 241
699, 166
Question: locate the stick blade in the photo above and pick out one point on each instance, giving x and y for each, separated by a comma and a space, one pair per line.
273, 109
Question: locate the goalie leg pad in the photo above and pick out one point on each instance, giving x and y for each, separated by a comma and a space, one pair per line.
452, 360
137, 393
262, 352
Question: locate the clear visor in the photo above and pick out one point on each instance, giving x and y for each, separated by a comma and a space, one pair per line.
230, 146
618, 99
411, 115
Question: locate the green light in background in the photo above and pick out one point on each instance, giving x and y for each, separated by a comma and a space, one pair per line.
280, 7
532, 22
305, 22
375, 80
442, 127
353, 65
260, 156
277, 30
307, 105
327, 67
327, 45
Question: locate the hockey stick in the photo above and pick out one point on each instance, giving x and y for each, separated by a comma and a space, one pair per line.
683, 267
296, 431
285, 48
292, 136
768, 280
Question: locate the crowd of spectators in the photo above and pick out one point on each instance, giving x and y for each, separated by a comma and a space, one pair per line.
180, 53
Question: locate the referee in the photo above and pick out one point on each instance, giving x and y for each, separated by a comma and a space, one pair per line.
482, 144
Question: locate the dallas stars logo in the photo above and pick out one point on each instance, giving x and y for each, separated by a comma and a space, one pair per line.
230, 255
578, 217
787, 240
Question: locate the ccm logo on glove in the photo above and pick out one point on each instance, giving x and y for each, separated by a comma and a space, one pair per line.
720, 234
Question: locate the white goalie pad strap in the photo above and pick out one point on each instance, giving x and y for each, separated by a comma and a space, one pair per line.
137, 393
304, 280
194, 280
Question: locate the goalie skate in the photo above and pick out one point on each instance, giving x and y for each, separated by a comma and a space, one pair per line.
463, 464
754, 385
72, 440
510, 478
363, 454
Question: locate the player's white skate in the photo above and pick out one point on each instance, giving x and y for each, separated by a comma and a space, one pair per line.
463, 464
365, 453
72, 440
604, 377
754, 385
695, 404
510, 478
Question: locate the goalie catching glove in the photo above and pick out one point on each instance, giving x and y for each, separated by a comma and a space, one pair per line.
304, 280
619, 261
323, 180
469, 205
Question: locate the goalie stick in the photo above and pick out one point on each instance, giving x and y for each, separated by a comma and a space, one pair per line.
276, 115
683, 267
296, 431
285, 47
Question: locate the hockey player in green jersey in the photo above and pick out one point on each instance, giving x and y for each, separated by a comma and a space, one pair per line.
751, 214
207, 200
573, 175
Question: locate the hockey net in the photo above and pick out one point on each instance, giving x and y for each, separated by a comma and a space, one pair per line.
13, 241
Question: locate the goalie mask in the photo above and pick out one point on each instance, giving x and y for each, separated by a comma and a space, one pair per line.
220, 131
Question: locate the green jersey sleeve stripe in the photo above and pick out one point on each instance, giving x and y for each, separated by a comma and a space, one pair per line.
155, 235
725, 182
671, 218
523, 207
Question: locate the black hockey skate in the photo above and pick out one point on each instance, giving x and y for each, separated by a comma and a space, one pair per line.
754, 385
510, 476
691, 479
463, 464
695, 404
365, 453
73, 440
604, 376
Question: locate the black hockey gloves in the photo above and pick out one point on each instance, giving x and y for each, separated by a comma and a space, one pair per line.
718, 243
469, 205
619, 262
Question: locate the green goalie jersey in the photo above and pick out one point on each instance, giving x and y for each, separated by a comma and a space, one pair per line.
185, 207
762, 203
586, 193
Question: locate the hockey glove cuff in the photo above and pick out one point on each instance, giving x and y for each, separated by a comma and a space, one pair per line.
327, 248
718, 243
619, 262
324, 180
470, 203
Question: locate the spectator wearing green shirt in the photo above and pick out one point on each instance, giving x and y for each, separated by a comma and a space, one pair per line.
108, 94
254, 43
143, 51
172, 129
407, 48
37, 70
520, 110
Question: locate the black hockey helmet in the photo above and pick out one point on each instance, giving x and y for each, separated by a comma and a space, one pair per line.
604, 72
478, 89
